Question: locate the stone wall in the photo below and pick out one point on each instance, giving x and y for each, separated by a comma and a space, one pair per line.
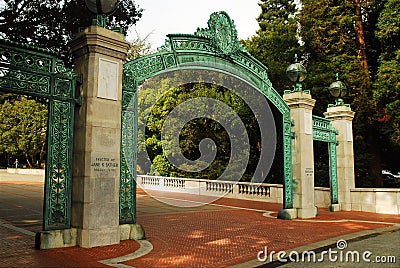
322, 197
26, 171
379, 200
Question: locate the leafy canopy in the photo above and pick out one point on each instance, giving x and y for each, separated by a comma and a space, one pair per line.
52, 24
23, 125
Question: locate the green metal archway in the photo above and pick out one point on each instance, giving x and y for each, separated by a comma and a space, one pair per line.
208, 49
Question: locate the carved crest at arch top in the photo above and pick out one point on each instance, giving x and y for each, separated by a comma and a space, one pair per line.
222, 33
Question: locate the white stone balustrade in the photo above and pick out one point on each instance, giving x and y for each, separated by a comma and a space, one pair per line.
240, 190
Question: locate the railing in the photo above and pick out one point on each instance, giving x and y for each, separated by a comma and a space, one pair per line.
259, 190
220, 186
323, 130
150, 181
239, 190
174, 183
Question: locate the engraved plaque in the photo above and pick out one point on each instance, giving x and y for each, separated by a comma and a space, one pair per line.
309, 172
104, 165
108, 79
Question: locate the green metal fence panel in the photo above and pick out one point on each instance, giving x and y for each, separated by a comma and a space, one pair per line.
325, 132
33, 71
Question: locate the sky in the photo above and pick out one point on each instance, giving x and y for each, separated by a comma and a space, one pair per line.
162, 17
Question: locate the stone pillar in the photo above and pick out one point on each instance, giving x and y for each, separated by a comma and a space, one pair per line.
98, 56
301, 105
342, 117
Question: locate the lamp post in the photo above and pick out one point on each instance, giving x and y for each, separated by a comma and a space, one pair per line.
338, 90
102, 9
296, 73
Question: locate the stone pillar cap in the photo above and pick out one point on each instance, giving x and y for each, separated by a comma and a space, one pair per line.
99, 40
339, 112
299, 100
297, 95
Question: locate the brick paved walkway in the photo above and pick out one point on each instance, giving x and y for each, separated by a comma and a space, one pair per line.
227, 236
221, 234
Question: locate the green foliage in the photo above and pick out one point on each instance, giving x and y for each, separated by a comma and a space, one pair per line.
387, 86
159, 97
327, 29
276, 41
52, 24
23, 125
331, 41
388, 26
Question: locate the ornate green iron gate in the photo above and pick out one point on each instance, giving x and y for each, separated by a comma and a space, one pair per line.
28, 70
325, 132
216, 44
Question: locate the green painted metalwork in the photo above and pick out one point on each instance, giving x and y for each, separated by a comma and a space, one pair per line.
207, 49
127, 209
33, 71
287, 161
57, 210
325, 132
103, 21
333, 172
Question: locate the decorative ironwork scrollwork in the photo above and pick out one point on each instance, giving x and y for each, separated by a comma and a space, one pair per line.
127, 199
57, 212
34, 71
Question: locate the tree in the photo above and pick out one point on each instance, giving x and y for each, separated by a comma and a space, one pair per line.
23, 125
48, 24
139, 47
342, 35
360, 40
330, 44
52, 24
277, 40
387, 86
158, 97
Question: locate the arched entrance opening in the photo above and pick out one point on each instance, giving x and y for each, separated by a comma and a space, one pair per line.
214, 50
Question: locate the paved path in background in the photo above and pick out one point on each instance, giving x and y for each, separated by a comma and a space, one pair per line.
226, 233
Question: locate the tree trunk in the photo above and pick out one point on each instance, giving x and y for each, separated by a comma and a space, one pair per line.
362, 48
42, 152
375, 164
27, 160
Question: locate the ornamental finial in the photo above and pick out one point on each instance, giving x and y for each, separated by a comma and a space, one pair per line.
222, 33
